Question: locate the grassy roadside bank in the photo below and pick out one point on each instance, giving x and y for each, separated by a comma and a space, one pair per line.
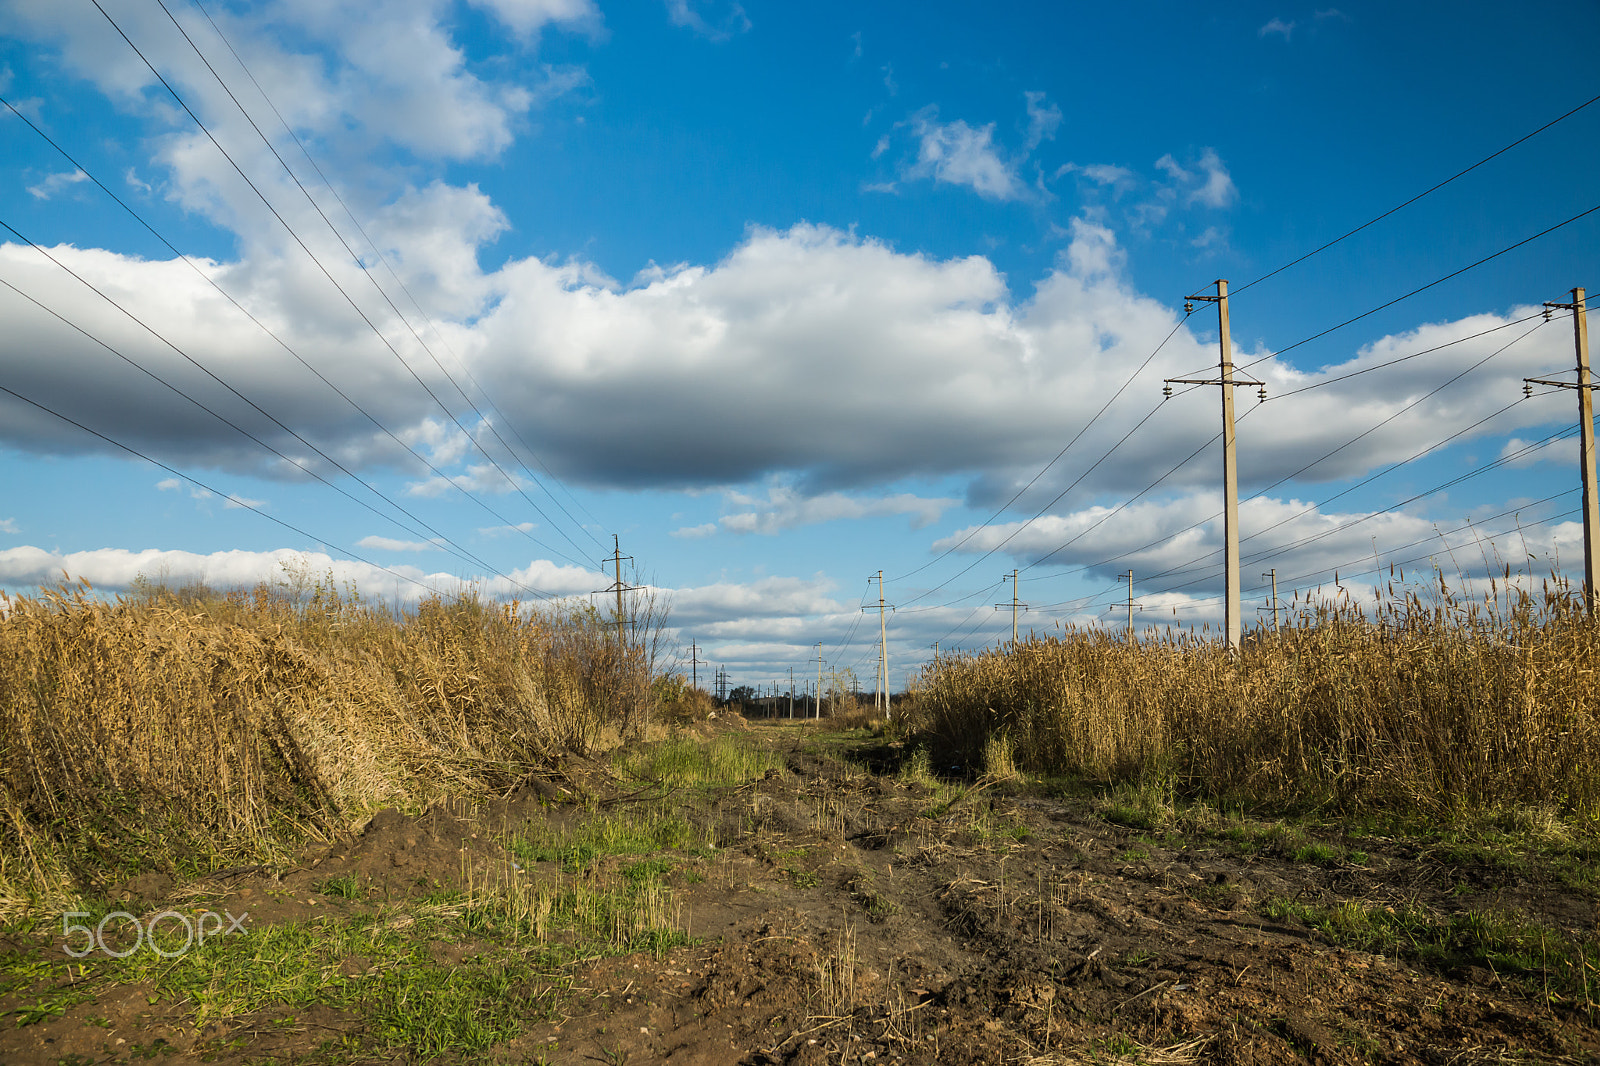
1429, 710
198, 731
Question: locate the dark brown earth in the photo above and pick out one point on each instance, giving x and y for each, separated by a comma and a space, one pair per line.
847, 918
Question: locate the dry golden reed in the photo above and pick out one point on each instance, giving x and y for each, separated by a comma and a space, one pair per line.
198, 729
1425, 706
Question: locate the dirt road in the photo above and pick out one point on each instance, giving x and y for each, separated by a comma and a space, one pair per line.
840, 909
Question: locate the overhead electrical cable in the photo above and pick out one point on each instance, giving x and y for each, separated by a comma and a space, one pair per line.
1018, 494
1404, 358
265, 329
1440, 535
460, 363
356, 258
1268, 554
1280, 550
447, 543
318, 263
1414, 199
455, 548
1166, 537
1045, 509
217, 492
1297, 344
1335, 451
1421, 289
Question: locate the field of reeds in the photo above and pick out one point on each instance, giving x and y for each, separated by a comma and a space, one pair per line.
188, 730
1425, 707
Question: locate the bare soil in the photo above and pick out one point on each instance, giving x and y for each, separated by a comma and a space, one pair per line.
850, 915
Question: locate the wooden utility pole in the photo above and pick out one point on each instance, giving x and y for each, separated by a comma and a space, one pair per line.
880, 698
1234, 627
1586, 460
819, 679
1015, 605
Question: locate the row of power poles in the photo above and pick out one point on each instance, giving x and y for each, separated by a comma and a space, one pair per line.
1226, 378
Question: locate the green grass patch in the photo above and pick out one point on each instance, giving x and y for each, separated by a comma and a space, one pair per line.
1318, 854
1536, 956
623, 832
345, 887
456, 973
684, 762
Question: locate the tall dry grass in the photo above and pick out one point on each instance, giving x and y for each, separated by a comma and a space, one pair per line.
192, 728
1426, 705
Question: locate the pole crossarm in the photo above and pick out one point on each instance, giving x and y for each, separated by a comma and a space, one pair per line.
1560, 384
1214, 381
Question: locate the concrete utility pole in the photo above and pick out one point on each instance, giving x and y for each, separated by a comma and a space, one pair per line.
819, 679
1015, 604
1230, 467
880, 697
1273, 574
791, 692
1586, 460
1131, 604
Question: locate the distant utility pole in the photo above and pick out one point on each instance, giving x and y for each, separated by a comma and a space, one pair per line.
881, 695
1230, 467
1131, 604
695, 662
819, 679
1273, 574
1586, 461
791, 692
1015, 605
615, 558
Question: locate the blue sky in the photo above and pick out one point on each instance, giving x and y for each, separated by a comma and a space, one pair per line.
786, 294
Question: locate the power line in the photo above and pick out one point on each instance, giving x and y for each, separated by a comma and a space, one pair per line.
1272, 355
1277, 551
216, 492
1423, 288
1272, 553
1329, 454
208, 279
1441, 535
1018, 494
452, 547
374, 281
1404, 358
484, 393
323, 269
1414, 199
455, 549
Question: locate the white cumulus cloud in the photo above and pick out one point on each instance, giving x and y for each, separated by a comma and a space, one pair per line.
958, 154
